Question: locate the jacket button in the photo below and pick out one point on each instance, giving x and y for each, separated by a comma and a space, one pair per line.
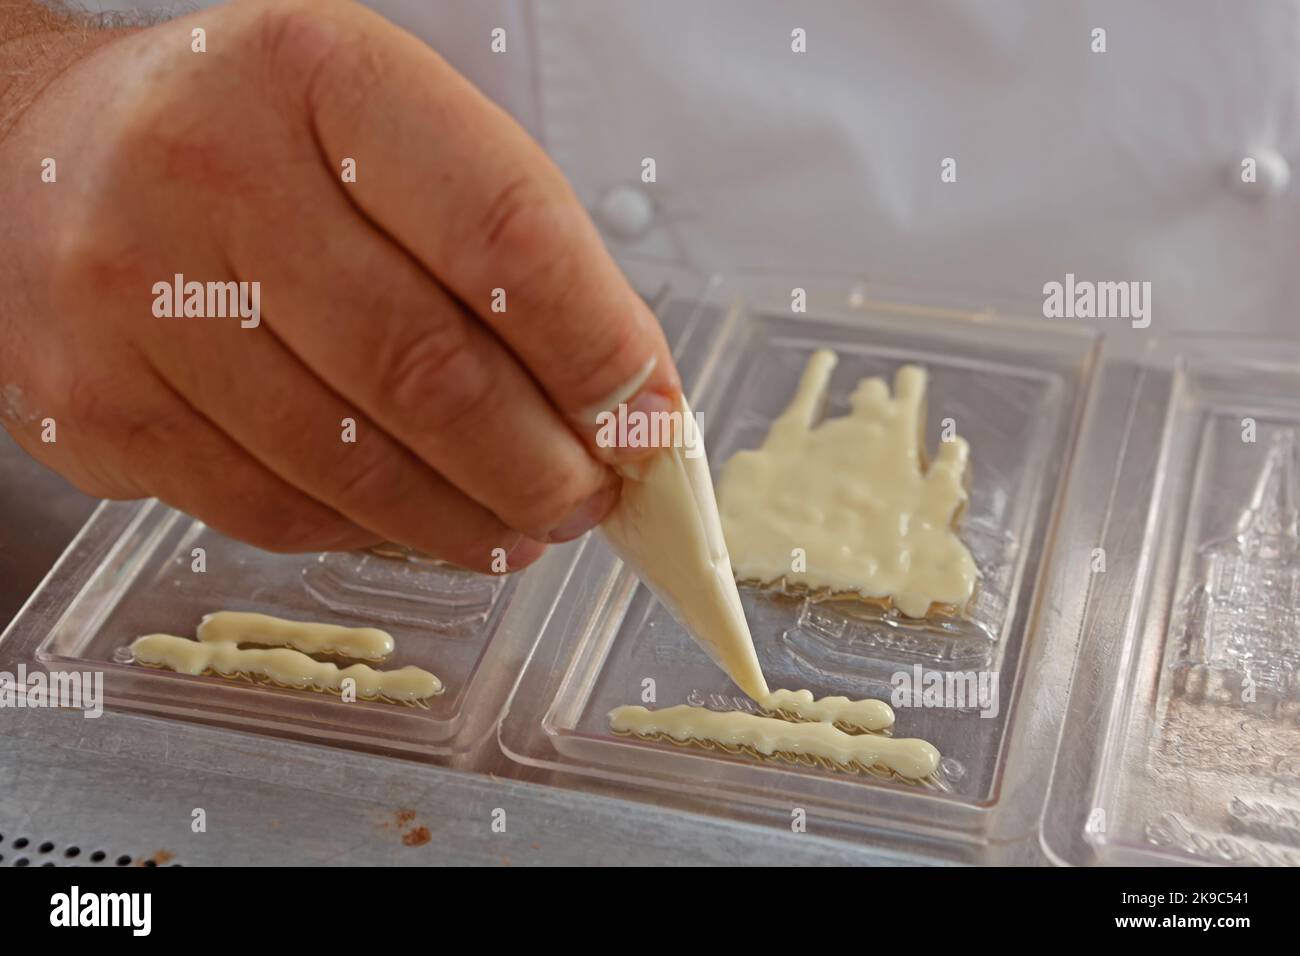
1261, 174
625, 212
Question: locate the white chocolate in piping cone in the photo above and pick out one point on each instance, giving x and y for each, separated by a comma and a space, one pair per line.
242, 627
666, 528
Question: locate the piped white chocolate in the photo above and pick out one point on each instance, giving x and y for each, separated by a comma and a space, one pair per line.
283, 665
242, 627
854, 497
911, 758
873, 715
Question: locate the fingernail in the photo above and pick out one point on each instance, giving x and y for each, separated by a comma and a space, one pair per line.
587, 515
621, 394
634, 430
524, 553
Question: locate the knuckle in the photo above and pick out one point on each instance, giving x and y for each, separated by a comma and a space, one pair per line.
528, 232
516, 216
75, 259
142, 435
297, 531
472, 555
87, 265
543, 500
84, 403
437, 378
58, 394
302, 54
115, 443
608, 347
289, 31
368, 482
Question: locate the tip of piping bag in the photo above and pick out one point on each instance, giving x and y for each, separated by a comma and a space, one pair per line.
666, 528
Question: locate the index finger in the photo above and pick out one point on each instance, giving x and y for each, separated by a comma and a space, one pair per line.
476, 201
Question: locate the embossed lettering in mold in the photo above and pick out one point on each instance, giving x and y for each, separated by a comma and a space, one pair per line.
1175, 832
854, 638
1217, 738
1265, 820
398, 585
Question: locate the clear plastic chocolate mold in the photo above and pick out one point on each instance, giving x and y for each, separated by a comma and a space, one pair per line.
1016, 391
141, 567
1133, 515
1182, 742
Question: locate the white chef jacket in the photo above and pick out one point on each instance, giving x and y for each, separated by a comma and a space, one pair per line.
1122, 165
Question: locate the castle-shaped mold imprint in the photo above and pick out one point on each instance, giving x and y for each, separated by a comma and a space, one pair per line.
1238, 630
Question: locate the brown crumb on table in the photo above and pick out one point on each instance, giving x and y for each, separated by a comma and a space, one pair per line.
417, 837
